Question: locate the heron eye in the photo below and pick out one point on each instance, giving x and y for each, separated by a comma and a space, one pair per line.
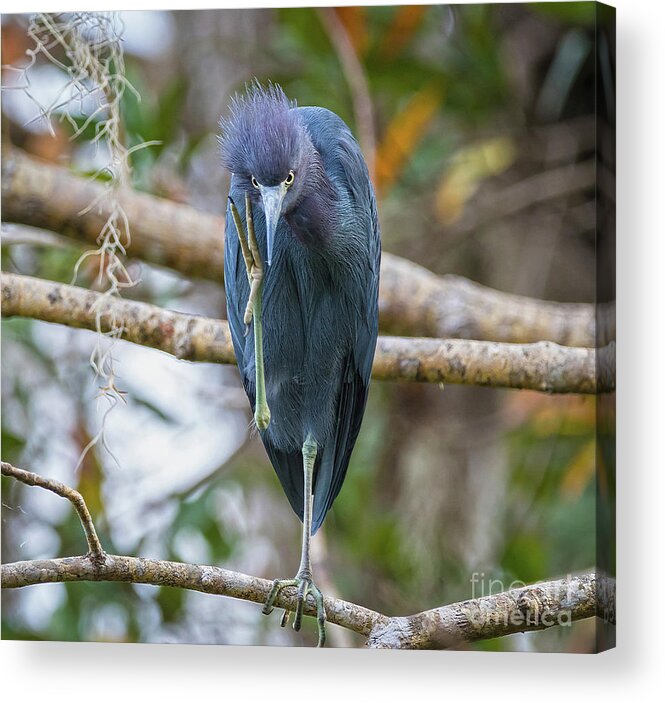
289, 179
255, 183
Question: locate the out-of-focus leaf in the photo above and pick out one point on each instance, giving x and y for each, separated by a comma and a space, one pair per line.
355, 23
525, 558
572, 51
406, 20
580, 471
15, 41
91, 475
403, 134
572, 418
570, 12
12, 445
159, 412
469, 167
170, 601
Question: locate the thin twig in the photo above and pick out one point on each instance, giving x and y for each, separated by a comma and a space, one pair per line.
529, 608
96, 552
357, 80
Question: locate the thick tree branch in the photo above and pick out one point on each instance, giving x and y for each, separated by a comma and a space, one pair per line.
543, 366
535, 607
413, 301
525, 609
207, 579
530, 608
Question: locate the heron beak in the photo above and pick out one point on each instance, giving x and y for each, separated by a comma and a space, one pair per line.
272, 207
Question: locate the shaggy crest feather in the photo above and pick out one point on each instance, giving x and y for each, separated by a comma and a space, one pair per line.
263, 136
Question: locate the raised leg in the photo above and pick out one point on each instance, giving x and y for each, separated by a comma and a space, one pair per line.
253, 309
303, 580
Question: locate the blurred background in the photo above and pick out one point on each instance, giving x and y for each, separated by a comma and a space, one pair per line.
477, 122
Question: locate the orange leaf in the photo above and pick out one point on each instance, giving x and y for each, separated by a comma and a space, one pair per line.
405, 22
580, 471
404, 133
355, 24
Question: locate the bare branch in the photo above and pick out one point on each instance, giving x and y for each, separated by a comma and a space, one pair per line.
519, 610
413, 301
96, 553
530, 608
543, 366
356, 80
207, 579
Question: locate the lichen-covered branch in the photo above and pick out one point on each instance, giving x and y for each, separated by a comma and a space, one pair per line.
207, 579
51, 197
95, 551
534, 607
543, 366
412, 300
416, 302
529, 608
524, 609
184, 336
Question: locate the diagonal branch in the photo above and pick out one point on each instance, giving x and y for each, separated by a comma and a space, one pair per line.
96, 553
356, 79
543, 366
412, 300
530, 608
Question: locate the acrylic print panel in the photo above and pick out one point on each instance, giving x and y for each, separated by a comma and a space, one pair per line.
199, 377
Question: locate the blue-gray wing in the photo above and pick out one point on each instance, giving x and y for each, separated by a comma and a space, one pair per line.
348, 161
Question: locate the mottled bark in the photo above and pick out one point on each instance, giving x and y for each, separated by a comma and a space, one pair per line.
530, 608
524, 609
413, 301
416, 302
534, 607
543, 366
184, 336
207, 579
163, 232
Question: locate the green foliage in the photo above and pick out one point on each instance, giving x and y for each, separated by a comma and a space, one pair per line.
572, 13
543, 526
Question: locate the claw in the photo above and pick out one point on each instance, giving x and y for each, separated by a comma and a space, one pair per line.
254, 266
302, 594
251, 255
277, 586
305, 587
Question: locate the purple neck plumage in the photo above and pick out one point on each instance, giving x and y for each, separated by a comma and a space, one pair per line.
312, 219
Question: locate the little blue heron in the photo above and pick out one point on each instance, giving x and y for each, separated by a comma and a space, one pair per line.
302, 201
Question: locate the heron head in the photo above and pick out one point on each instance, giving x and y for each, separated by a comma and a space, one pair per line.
268, 150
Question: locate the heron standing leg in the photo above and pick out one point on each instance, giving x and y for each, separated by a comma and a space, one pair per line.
253, 310
303, 580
